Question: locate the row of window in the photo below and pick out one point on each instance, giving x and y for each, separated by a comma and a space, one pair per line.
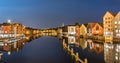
117, 31
117, 26
108, 22
108, 18
108, 29
117, 22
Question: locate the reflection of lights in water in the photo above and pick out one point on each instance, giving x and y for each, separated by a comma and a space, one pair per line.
97, 45
23, 43
71, 40
90, 45
117, 50
5, 44
109, 46
9, 52
116, 57
71, 32
89, 40
27, 38
1, 44
17, 49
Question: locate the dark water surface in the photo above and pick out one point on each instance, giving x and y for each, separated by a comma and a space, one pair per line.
50, 50
41, 50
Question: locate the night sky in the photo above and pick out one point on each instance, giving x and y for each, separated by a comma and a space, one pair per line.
52, 13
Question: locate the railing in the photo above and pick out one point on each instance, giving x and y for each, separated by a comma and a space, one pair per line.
75, 55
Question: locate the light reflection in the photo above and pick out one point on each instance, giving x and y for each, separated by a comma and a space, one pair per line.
15, 45
112, 53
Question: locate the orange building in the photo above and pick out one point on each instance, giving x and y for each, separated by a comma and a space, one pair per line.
98, 29
8, 28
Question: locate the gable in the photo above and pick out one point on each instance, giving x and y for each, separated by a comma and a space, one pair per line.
117, 17
109, 14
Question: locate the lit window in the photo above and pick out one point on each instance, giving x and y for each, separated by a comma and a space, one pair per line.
115, 22
119, 30
115, 26
116, 31
119, 22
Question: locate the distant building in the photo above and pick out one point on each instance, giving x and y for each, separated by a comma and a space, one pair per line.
98, 29
69, 30
90, 29
116, 26
8, 28
108, 27
77, 30
83, 29
59, 30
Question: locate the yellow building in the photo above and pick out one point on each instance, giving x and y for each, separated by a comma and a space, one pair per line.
116, 26
83, 30
107, 23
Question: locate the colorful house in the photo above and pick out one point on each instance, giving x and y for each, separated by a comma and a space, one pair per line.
116, 26
77, 30
90, 29
98, 29
108, 27
83, 29
69, 30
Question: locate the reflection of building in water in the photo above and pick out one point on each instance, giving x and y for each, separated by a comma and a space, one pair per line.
71, 40
112, 53
95, 47
83, 43
59, 36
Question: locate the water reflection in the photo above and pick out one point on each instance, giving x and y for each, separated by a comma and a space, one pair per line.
85, 43
15, 45
112, 53
86, 48
95, 52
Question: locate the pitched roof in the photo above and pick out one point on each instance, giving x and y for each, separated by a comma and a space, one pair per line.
86, 25
117, 14
109, 13
101, 24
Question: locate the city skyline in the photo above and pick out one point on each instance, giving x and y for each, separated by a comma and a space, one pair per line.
48, 14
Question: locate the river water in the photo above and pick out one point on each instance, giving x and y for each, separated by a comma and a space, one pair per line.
48, 49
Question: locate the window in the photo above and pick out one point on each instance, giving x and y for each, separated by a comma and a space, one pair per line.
105, 18
116, 31
106, 22
115, 26
72, 29
119, 22
115, 22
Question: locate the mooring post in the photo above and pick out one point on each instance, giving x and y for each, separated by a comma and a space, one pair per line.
85, 60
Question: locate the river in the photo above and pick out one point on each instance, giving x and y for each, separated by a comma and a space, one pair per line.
48, 49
